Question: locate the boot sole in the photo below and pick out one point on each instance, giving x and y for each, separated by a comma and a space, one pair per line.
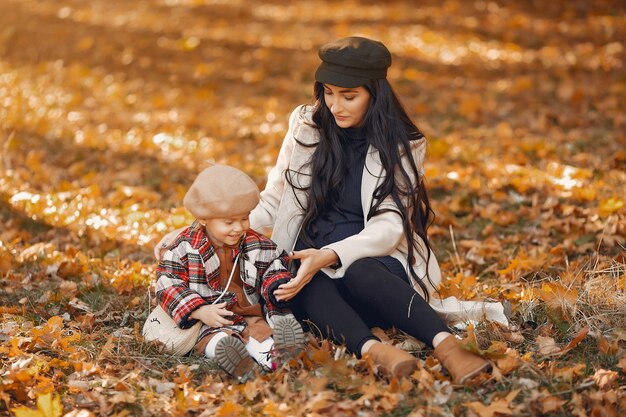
288, 333
288, 340
232, 357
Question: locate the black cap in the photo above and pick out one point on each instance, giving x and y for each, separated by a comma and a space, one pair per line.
353, 61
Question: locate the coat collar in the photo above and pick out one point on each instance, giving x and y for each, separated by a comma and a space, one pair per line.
199, 240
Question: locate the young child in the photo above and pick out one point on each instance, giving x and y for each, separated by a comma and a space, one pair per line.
223, 274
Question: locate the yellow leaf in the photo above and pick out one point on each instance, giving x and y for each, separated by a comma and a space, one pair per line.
6, 260
26, 412
190, 43
470, 105
272, 410
413, 74
556, 295
584, 193
610, 206
48, 405
500, 406
460, 286
509, 363
524, 263
470, 343
230, 409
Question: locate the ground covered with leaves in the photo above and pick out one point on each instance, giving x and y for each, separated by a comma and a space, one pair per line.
108, 109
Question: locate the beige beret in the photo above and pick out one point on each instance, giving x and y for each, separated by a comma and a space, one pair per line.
221, 191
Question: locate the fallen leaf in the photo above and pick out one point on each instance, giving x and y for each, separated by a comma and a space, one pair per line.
321, 401
48, 405
69, 269
550, 403
6, 260
582, 333
547, 345
509, 363
79, 413
607, 348
610, 206
273, 410
557, 295
569, 373
497, 407
230, 409
603, 409
622, 363
604, 378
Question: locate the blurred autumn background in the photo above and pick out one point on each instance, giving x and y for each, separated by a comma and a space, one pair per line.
108, 109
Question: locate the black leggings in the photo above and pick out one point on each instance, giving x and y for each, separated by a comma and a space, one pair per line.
368, 295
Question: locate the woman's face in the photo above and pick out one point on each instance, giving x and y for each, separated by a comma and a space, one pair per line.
348, 105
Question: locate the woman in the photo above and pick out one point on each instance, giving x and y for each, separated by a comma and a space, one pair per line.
357, 234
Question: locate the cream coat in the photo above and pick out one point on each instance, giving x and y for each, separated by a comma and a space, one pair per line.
280, 211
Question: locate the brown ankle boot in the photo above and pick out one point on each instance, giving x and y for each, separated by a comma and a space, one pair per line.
392, 361
460, 363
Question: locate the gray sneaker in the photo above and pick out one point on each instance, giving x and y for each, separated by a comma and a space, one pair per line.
231, 355
288, 339
287, 332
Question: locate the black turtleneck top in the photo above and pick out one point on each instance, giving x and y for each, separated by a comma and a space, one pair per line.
345, 218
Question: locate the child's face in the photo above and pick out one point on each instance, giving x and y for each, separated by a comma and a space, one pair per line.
227, 230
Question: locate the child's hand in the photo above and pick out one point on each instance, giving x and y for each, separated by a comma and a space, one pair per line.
213, 315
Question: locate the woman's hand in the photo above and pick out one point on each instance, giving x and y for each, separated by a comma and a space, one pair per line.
165, 242
213, 315
311, 261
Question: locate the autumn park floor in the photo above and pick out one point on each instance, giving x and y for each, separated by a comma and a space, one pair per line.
108, 109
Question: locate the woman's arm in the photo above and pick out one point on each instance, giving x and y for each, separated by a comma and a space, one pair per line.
161, 247
264, 214
380, 237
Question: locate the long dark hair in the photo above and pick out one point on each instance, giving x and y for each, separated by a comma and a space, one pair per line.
391, 132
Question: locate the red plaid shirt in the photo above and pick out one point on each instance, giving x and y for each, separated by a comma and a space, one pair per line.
188, 275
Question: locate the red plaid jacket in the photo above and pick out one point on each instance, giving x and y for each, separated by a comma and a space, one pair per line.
188, 275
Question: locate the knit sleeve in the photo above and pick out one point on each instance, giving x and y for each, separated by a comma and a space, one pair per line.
271, 265
274, 276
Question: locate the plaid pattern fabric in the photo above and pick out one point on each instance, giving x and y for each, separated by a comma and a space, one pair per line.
188, 276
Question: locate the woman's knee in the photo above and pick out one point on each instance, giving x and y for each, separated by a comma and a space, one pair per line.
313, 294
363, 268
363, 276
